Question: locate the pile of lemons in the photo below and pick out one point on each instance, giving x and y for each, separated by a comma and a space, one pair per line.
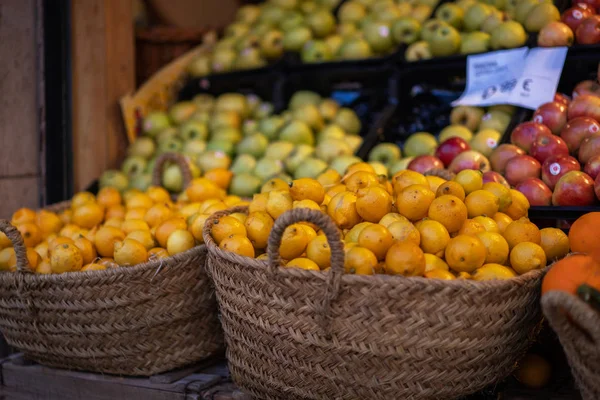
411, 225
117, 230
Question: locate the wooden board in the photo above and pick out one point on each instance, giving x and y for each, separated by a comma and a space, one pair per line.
17, 193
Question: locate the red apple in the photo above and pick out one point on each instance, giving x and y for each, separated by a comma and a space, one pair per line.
469, 159
536, 192
548, 145
577, 130
450, 148
574, 16
588, 31
592, 167
555, 34
525, 133
556, 166
424, 163
590, 147
553, 115
520, 168
562, 98
587, 87
502, 154
585, 106
493, 176
575, 188
597, 186
583, 4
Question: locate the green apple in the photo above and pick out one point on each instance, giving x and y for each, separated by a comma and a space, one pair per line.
510, 8
166, 134
430, 27
346, 29
354, 49
522, 9
226, 43
295, 38
279, 150
399, 165
386, 12
141, 182
297, 132
321, 23
385, 153
142, 147
193, 130
297, 157
264, 110
540, 16
172, 145
494, 20
421, 13
475, 42
347, 119
445, 42
267, 168
328, 109
354, 141
406, 30
315, 51
351, 11
430, 3
271, 14
451, 14
309, 114
334, 42
418, 51
255, 145
236, 30
270, 126
180, 112
505, 108
213, 159
293, 19
420, 143
496, 120
223, 60
460, 131
271, 45
243, 163
200, 66
204, 103
329, 149
133, 165
249, 58
485, 141
508, 35
331, 131
248, 13
222, 146
249, 127
310, 168
155, 122
465, 4
379, 36
222, 119
227, 134
232, 102
342, 163
260, 29
468, 116
303, 97
201, 116
328, 4
285, 4
475, 15
194, 148
114, 178
244, 185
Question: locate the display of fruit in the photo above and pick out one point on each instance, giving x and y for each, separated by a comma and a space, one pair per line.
411, 225
112, 230
242, 134
579, 24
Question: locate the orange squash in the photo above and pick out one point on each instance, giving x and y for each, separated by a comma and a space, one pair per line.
584, 233
571, 272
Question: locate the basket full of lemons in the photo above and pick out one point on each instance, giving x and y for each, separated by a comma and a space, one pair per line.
360, 286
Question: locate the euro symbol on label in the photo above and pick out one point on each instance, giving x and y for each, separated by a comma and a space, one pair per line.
489, 92
526, 83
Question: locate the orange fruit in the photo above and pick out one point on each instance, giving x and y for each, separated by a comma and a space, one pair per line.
131, 225
439, 274
33, 260
144, 237
373, 203
4, 241
158, 194
196, 226
274, 184
359, 166
259, 202
203, 189
333, 190
465, 253
342, 209
225, 227
31, 234
294, 241
413, 201
258, 227
23, 216
584, 233
534, 371
435, 182
69, 230
390, 218
42, 249
471, 227
496, 247
329, 178
318, 251
88, 215
65, 216
86, 248
307, 189
157, 253
502, 220
521, 230
527, 256
48, 222
44, 267
518, 207
304, 263
106, 237
157, 214
407, 178
81, 198
569, 273
8, 259
360, 180
434, 262
555, 243
488, 223
232, 200
405, 258
451, 188
180, 241
449, 211
114, 222
116, 211
108, 262
351, 236
306, 204
481, 202
218, 206
464, 276
65, 258
58, 241
139, 200
278, 202
434, 237
166, 228
242, 217
130, 252
238, 244
108, 196
219, 176
470, 180
360, 261
190, 209
93, 267
501, 192
492, 271
404, 230
376, 238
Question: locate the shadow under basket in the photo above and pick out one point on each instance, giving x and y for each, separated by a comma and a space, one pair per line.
140, 320
299, 334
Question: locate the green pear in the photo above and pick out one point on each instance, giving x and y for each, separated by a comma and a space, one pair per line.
342, 163
260, 29
494, 20
329, 149
271, 14
250, 127
297, 157
155, 122
385, 153
540, 16
295, 38
475, 42
267, 168
379, 36
328, 4
475, 15
346, 29
508, 35
399, 165
264, 110
293, 19
465, 4
430, 3
352, 12
389, 12
354, 49
496, 120
223, 60
310, 168
227, 134
271, 45
445, 42
204, 103
213, 159
279, 150
172, 145
321, 23
193, 130
334, 42
194, 148
285, 4
141, 182
180, 112
420, 143
505, 108
243, 163
226, 43
201, 116
244, 185
133, 165
166, 134
315, 51
249, 58
328, 109
270, 126
222, 119
523, 8
406, 30
418, 51
455, 130
142, 147
199, 67
255, 145
309, 114
114, 178
347, 119
297, 132
421, 13
252, 102
430, 27
331, 131
354, 141
308, 6
248, 13
236, 30
452, 14
303, 97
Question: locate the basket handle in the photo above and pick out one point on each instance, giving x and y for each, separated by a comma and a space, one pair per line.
13, 234
177, 159
562, 309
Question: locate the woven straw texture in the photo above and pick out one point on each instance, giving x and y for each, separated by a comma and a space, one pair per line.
139, 320
578, 329
297, 334
162, 161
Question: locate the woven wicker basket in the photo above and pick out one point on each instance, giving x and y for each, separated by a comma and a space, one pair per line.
162, 161
578, 329
297, 334
139, 320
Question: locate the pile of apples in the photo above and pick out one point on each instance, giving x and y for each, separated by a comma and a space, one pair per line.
243, 134
578, 23
561, 145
